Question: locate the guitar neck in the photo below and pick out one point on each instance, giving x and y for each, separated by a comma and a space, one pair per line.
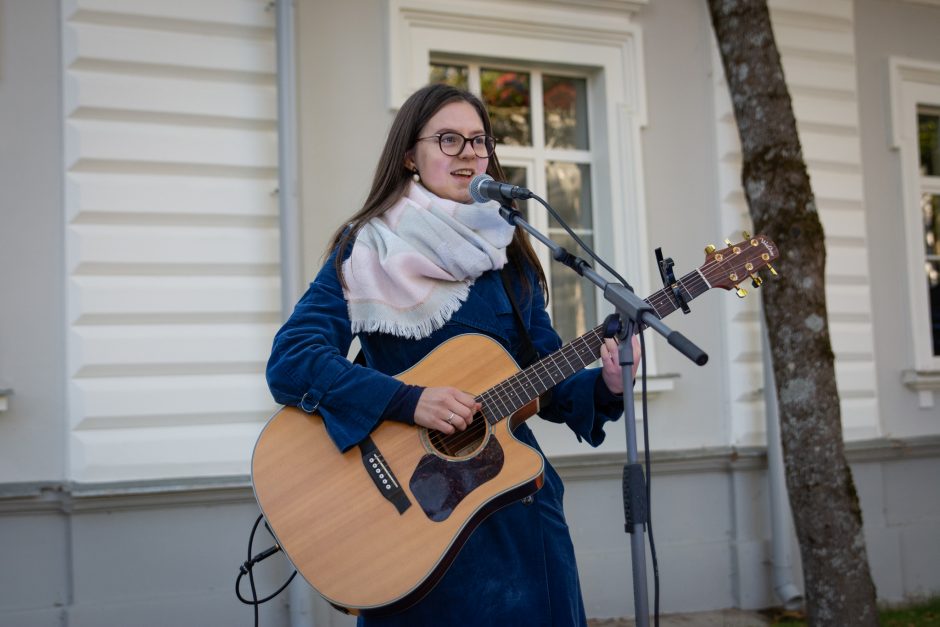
506, 398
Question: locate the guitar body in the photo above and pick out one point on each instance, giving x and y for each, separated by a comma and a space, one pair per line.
338, 528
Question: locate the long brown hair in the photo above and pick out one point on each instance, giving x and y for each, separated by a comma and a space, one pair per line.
392, 177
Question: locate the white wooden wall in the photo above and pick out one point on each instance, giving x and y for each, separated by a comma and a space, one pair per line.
172, 233
817, 46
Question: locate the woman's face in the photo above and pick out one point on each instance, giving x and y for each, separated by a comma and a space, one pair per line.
445, 176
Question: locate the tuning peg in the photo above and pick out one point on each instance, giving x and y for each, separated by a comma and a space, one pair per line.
741, 292
709, 249
771, 268
746, 234
756, 280
729, 242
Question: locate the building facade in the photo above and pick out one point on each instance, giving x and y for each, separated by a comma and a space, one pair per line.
142, 266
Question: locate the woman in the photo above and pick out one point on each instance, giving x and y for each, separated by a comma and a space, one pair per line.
419, 264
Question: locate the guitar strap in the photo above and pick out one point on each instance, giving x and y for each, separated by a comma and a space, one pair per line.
528, 355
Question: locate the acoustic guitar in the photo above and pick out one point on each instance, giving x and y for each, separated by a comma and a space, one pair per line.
375, 528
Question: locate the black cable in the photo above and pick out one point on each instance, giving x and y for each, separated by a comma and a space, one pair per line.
649, 492
247, 568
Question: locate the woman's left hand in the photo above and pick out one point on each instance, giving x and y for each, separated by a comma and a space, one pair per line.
610, 366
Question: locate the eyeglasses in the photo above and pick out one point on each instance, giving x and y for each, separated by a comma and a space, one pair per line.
452, 144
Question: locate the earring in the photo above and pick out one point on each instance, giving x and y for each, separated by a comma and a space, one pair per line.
416, 177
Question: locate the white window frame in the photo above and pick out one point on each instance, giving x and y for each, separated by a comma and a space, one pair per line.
915, 84
603, 42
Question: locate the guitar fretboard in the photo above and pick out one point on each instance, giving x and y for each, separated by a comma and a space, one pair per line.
506, 398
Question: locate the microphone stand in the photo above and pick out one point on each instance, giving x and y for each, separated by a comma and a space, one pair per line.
635, 314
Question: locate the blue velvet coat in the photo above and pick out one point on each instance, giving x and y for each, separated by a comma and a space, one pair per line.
518, 567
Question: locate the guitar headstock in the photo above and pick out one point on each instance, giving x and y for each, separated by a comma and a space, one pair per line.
728, 267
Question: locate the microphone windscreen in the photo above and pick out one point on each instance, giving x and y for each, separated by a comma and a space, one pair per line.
475, 185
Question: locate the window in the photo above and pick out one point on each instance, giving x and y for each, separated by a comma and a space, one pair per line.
928, 134
575, 141
541, 122
915, 111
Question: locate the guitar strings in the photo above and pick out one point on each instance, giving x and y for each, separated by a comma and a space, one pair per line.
461, 439
491, 398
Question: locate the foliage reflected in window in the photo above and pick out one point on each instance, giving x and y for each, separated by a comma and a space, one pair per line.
565, 102
453, 75
508, 99
928, 127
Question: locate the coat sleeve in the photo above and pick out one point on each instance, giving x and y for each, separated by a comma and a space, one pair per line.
581, 401
308, 367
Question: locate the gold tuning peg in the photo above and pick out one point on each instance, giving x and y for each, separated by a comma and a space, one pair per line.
756, 280
709, 249
741, 292
728, 242
746, 234
771, 268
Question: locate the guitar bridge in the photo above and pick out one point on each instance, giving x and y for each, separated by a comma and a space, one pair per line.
382, 476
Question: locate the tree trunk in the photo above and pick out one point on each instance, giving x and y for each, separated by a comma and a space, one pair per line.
838, 585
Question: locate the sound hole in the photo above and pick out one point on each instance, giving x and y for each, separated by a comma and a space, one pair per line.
461, 443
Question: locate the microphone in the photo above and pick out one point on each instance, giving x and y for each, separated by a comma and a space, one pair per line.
484, 188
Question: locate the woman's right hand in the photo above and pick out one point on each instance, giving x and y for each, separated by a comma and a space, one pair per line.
445, 409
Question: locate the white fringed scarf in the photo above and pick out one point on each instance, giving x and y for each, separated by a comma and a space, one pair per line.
412, 267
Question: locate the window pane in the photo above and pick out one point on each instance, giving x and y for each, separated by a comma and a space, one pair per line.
516, 175
928, 126
565, 103
569, 192
933, 291
572, 298
930, 206
453, 75
507, 98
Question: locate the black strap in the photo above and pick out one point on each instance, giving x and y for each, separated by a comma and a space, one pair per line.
360, 358
528, 355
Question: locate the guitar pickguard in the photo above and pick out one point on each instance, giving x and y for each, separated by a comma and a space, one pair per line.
439, 485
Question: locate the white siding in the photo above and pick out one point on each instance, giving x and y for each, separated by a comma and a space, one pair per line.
817, 48
171, 233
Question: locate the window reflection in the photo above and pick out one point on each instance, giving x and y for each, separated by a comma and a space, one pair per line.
565, 103
569, 192
507, 98
453, 75
516, 175
930, 206
573, 305
928, 127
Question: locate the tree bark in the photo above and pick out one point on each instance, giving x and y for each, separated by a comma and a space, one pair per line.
838, 586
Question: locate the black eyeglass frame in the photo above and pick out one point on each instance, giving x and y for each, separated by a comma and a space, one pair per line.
463, 144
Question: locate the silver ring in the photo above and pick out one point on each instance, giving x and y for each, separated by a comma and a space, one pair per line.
450, 419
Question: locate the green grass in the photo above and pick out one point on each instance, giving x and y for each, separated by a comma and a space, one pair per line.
926, 614
922, 615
